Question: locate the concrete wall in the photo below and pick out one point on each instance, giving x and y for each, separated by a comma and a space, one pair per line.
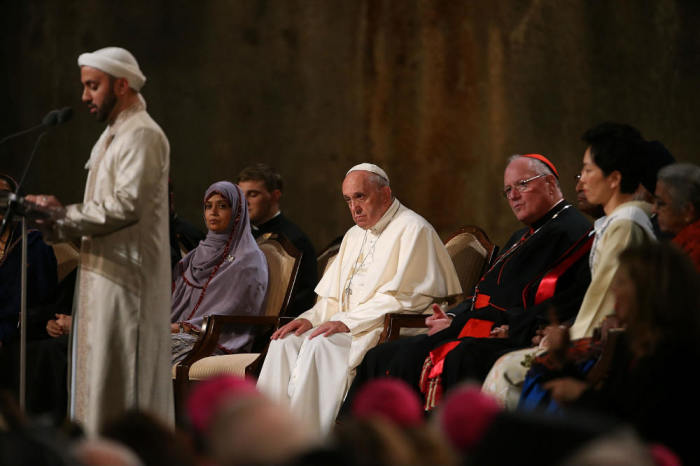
439, 93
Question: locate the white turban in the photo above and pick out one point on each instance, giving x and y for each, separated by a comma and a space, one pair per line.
117, 62
369, 167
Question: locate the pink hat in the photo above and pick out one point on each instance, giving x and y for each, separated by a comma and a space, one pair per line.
465, 416
208, 396
663, 456
391, 399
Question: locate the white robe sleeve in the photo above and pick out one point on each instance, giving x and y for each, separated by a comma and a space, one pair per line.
370, 314
319, 313
137, 169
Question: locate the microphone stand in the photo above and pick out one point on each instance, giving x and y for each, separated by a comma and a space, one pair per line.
23, 323
16, 206
31, 158
52, 118
21, 133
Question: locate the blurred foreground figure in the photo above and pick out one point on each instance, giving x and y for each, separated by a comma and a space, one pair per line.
240, 426
100, 452
657, 291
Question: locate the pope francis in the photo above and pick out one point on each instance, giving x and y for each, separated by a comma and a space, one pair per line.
391, 260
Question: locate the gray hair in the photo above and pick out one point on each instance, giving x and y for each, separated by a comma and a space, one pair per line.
683, 183
539, 167
378, 180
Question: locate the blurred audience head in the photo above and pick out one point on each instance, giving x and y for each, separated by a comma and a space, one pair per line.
150, 439
465, 415
521, 437
102, 452
255, 430
208, 396
620, 448
655, 287
373, 441
389, 398
241, 426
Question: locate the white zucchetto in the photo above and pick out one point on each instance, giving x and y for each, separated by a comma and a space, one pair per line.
369, 167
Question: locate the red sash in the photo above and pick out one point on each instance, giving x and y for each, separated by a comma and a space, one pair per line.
548, 284
477, 328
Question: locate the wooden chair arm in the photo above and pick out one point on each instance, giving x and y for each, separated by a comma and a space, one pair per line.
395, 321
261, 321
211, 330
207, 343
284, 320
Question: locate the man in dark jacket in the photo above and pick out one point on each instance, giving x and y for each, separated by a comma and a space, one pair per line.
262, 188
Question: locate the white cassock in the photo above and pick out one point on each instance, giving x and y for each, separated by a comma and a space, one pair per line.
120, 352
399, 264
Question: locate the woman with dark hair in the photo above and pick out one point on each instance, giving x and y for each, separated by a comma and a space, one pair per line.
225, 274
610, 177
677, 206
657, 292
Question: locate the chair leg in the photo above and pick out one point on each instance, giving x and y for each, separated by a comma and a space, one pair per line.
180, 392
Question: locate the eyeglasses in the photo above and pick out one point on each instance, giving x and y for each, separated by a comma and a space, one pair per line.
520, 186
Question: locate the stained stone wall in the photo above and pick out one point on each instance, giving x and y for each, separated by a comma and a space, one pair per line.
439, 93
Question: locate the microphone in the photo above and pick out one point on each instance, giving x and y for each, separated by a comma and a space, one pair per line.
53, 118
65, 114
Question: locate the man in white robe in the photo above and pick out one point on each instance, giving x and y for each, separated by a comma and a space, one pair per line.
120, 356
391, 260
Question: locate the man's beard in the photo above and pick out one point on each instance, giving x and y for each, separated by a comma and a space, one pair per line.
104, 110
